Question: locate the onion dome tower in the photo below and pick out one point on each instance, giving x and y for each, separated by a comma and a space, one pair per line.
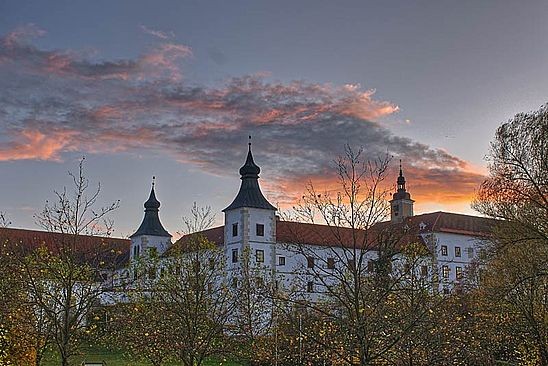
151, 235
250, 221
250, 194
401, 205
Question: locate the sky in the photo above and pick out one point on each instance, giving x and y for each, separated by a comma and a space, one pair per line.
172, 89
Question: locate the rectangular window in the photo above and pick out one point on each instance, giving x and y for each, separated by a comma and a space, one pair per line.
234, 255
445, 271
458, 273
330, 263
444, 250
424, 271
310, 286
470, 252
259, 229
235, 229
310, 262
281, 261
457, 251
211, 264
370, 266
234, 282
259, 256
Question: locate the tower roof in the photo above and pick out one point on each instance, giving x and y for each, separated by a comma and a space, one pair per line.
250, 194
401, 193
151, 224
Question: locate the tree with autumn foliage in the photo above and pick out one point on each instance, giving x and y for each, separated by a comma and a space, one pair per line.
181, 302
63, 281
514, 278
23, 333
139, 329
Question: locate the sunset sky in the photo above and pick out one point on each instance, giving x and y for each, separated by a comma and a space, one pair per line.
173, 89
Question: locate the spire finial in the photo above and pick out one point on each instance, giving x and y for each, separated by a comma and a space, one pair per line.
401, 172
153, 181
249, 143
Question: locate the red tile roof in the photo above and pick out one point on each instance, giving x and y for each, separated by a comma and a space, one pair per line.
324, 235
87, 247
447, 222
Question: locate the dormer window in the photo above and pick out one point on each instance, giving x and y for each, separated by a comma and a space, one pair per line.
235, 229
259, 229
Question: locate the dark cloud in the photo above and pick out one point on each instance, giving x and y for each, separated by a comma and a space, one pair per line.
59, 101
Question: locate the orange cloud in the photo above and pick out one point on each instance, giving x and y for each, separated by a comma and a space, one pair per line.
33, 144
362, 105
430, 187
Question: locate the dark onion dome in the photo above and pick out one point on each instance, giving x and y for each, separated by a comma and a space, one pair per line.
401, 192
151, 224
250, 194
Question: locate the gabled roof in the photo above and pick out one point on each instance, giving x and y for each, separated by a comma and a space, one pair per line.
406, 232
88, 248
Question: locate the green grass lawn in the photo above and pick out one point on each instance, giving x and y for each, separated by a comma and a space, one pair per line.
114, 358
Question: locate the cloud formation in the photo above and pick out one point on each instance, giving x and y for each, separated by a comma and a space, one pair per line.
57, 101
157, 33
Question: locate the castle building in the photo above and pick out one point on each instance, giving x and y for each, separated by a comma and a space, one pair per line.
296, 252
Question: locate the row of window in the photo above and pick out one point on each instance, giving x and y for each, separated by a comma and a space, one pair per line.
259, 257
470, 251
259, 229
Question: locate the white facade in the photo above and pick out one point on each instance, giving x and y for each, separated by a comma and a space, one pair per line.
146, 244
251, 230
250, 237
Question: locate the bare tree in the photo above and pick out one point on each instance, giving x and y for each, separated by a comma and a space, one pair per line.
63, 280
359, 279
4, 220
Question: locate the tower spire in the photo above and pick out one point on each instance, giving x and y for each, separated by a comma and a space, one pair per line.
250, 194
401, 203
151, 224
401, 181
